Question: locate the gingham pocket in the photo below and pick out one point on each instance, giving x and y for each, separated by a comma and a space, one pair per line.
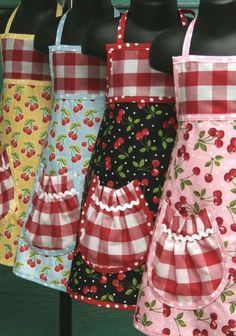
115, 227
7, 186
186, 265
52, 225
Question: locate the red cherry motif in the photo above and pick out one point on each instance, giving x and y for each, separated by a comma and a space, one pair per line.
115, 283
110, 184
208, 178
103, 280
189, 127
119, 142
212, 132
213, 325
144, 182
232, 147
186, 136
138, 136
155, 163
196, 171
155, 172
78, 108
166, 310
93, 289
166, 332
156, 200
233, 227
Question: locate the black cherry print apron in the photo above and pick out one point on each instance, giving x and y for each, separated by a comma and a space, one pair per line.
126, 176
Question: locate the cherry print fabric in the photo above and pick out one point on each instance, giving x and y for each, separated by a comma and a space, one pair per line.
134, 143
189, 286
26, 104
49, 234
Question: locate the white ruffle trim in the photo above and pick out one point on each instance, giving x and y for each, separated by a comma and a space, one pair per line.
200, 235
114, 208
4, 168
58, 197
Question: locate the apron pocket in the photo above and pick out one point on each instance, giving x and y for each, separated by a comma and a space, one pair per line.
7, 186
186, 265
52, 224
115, 227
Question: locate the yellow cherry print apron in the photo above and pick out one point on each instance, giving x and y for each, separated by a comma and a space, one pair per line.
25, 111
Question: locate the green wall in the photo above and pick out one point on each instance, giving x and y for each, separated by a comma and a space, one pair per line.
123, 3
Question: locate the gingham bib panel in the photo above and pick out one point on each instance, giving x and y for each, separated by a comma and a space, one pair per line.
74, 72
130, 77
20, 59
204, 84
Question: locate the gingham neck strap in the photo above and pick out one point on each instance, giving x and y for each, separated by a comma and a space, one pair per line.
188, 39
59, 11
61, 27
123, 20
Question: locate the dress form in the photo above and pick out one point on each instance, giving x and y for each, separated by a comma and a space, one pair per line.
146, 19
30, 14
83, 13
214, 34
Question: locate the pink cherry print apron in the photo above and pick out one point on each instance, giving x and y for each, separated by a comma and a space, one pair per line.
26, 104
50, 229
126, 175
189, 286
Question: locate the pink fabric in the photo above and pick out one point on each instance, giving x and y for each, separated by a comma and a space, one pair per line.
201, 176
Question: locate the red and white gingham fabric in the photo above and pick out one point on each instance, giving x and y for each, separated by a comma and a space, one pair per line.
76, 72
187, 267
6, 185
130, 77
115, 227
53, 220
204, 86
22, 61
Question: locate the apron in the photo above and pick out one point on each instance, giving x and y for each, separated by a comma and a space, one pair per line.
125, 181
49, 235
26, 104
189, 286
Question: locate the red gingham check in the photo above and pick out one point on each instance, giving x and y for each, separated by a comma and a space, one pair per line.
206, 87
130, 77
53, 220
115, 227
6, 185
75, 72
187, 267
22, 61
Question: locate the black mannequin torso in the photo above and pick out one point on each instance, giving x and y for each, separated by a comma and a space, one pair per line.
146, 19
83, 13
214, 34
29, 15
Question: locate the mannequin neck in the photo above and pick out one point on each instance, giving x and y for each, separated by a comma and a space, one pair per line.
37, 6
85, 11
154, 14
216, 17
